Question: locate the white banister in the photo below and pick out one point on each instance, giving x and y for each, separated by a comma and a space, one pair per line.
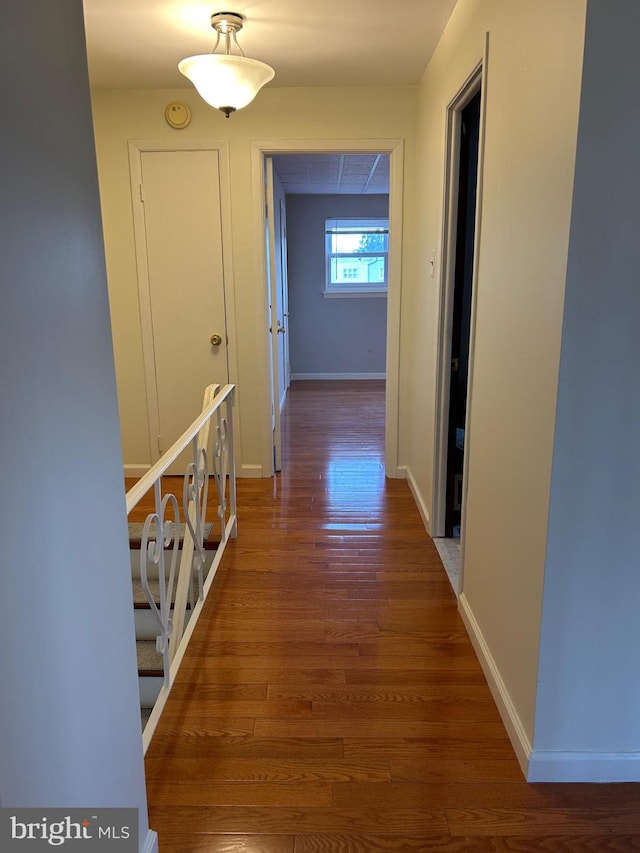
143, 485
195, 493
211, 440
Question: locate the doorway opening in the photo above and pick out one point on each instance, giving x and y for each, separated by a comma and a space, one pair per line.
276, 167
461, 321
327, 248
461, 235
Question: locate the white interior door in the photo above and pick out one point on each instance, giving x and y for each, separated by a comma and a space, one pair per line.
277, 327
182, 247
283, 300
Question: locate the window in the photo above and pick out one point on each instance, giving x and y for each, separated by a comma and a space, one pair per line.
356, 256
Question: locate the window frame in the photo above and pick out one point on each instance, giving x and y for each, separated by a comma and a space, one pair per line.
372, 224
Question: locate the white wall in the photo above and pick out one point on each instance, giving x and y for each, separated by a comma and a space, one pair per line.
330, 336
532, 96
589, 678
70, 733
277, 114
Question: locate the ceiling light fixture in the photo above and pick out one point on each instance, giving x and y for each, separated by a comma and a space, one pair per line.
226, 82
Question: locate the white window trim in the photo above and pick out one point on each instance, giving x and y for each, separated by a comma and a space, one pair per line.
346, 289
354, 294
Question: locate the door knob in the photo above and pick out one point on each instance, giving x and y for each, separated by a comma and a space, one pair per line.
216, 340
281, 329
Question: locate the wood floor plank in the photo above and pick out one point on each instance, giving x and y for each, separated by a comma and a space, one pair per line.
483, 710
534, 821
183, 742
330, 700
209, 843
415, 646
232, 628
282, 820
189, 682
479, 844
416, 748
272, 769
377, 844
283, 674
434, 671
609, 802
234, 612
197, 726
430, 768
453, 656
385, 694
205, 792
454, 730
221, 649
199, 708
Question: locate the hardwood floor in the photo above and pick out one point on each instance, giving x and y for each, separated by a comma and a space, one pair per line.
330, 700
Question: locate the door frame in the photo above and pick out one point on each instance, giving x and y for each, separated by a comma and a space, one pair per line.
476, 81
136, 148
395, 149
271, 265
278, 289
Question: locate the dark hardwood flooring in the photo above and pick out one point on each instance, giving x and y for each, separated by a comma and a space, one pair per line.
330, 700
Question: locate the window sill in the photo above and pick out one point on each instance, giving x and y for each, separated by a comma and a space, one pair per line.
350, 294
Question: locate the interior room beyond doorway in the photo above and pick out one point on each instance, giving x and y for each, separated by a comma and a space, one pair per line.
349, 170
332, 338
339, 336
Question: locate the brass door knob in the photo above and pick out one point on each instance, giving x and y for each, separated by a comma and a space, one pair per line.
216, 340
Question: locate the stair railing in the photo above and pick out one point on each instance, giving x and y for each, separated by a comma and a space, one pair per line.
182, 583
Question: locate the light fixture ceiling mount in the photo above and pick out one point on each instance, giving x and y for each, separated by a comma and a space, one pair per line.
227, 24
227, 82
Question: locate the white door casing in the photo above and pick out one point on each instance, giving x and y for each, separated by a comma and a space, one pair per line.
395, 148
476, 81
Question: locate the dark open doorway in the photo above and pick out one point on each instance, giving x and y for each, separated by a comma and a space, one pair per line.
461, 323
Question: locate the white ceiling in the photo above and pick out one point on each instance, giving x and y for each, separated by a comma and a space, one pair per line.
137, 44
333, 173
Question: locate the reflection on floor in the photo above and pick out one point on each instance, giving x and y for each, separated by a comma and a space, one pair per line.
449, 550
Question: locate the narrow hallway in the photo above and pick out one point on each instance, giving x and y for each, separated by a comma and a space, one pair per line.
330, 699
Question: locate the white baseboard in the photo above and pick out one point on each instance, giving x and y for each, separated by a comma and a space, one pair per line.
136, 470
150, 843
244, 471
418, 498
250, 471
506, 708
399, 473
551, 766
545, 765
338, 376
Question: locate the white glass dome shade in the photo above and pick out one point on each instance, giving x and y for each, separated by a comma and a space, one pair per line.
226, 82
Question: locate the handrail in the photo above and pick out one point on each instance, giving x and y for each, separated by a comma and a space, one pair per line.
179, 561
139, 490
